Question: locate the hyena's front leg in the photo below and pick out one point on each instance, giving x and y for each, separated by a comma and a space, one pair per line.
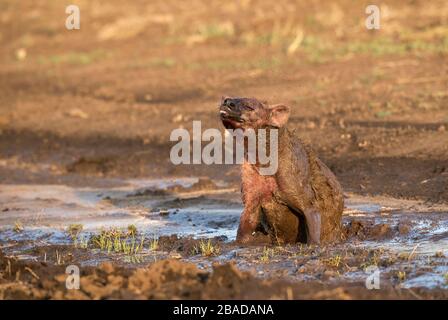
250, 218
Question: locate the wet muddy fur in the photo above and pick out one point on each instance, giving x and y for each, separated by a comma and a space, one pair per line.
302, 201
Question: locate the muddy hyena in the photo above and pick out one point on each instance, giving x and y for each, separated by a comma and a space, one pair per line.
302, 201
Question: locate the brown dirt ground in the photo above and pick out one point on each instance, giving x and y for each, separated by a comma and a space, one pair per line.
172, 279
81, 107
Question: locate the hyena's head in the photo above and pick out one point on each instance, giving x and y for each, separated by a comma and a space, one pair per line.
245, 113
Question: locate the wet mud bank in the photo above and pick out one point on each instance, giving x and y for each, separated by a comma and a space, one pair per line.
183, 230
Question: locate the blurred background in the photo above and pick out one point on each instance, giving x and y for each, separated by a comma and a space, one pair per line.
91, 105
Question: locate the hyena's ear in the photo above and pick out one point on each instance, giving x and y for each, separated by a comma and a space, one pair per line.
279, 115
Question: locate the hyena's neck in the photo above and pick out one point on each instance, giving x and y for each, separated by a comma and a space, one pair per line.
256, 187
263, 140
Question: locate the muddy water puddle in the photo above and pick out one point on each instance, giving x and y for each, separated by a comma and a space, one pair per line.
406, 240
152, 208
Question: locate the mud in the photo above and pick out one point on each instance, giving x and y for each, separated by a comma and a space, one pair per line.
172, 279
407, 244
85, 120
